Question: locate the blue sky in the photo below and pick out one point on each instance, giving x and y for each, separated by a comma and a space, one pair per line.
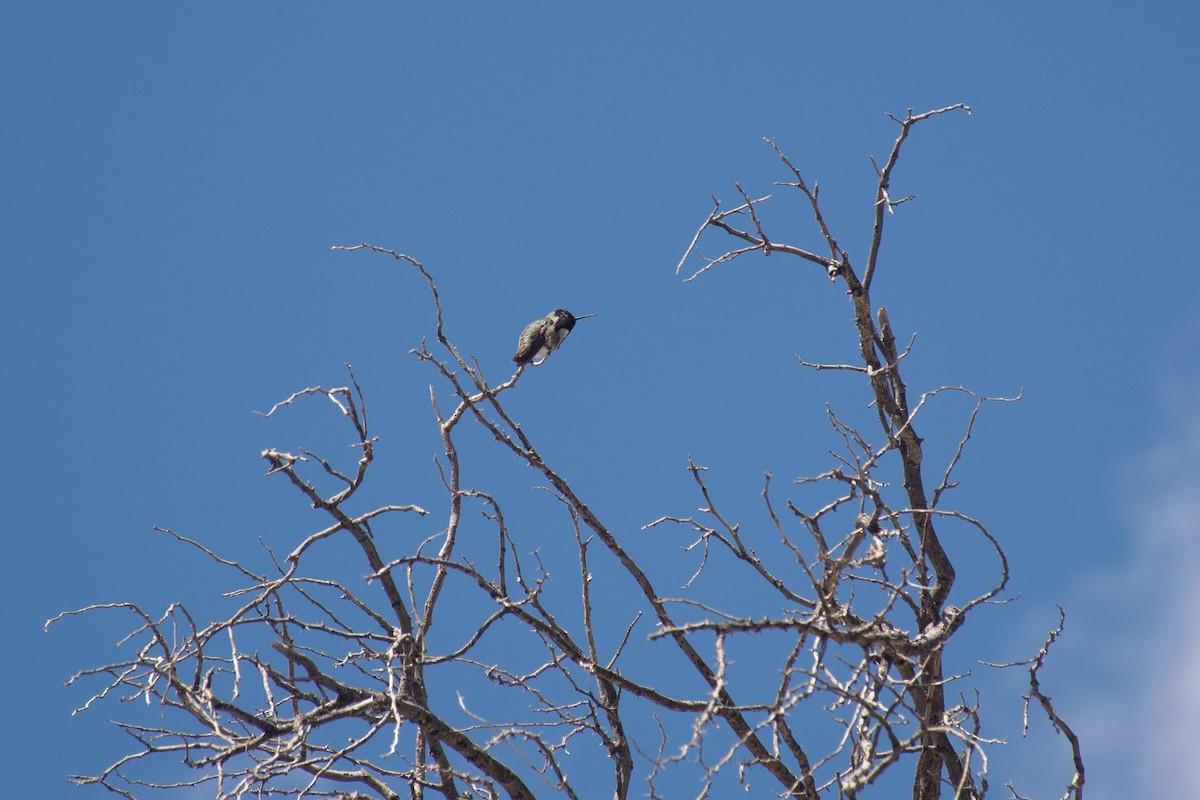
173, 179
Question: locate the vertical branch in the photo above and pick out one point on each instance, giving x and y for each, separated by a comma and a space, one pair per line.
617, 742
1075, 787
880, 358
883, 202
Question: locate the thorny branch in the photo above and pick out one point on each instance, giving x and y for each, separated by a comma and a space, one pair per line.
840, 572
823, 675
1074, 789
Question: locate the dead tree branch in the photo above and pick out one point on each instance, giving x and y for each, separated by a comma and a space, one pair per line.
456, 665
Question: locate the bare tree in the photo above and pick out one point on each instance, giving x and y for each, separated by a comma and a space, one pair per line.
828, 679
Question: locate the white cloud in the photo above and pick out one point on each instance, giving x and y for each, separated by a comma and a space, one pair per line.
1137, 657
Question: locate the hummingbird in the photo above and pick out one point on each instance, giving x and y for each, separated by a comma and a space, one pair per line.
545, 335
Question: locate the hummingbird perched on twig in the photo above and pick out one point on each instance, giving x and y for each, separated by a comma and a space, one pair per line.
545, 335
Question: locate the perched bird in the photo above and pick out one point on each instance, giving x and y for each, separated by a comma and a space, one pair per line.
545, 335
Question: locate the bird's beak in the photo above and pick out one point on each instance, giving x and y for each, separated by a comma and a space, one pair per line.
584, 316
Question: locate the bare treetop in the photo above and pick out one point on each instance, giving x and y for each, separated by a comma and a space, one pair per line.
459, 666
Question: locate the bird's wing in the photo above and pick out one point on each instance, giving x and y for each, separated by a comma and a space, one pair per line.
532, 339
